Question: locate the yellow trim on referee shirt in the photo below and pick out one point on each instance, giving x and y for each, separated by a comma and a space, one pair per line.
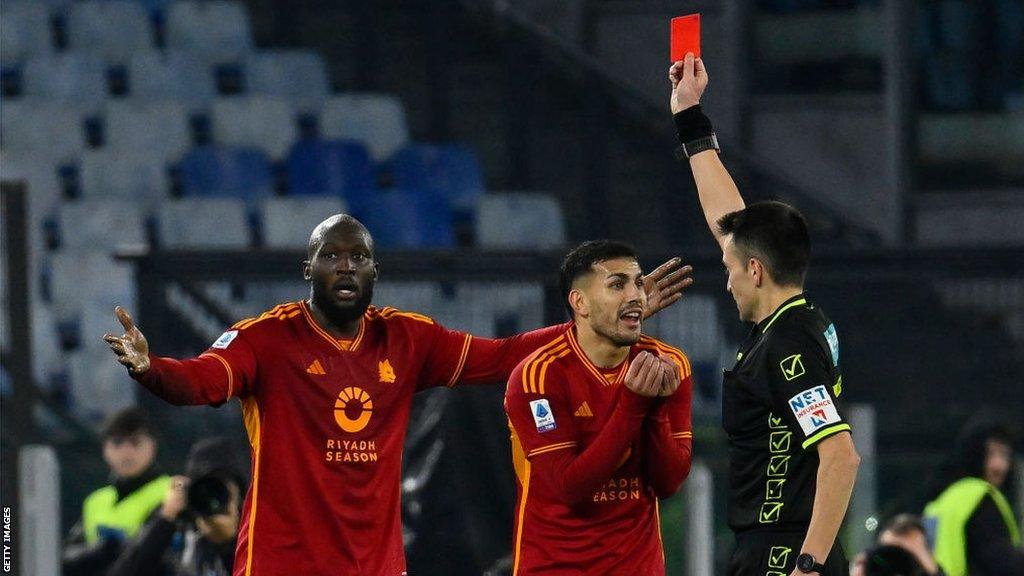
841, 427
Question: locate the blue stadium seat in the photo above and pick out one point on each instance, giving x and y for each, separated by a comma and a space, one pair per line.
129, 128
179, 76
375, 119
101, 224
111, 29
300, 76
518, 221
78, 79
264, 122
410, 219
217, 30
334, 168
123, 174
192, 223
287, 222
42, 128
450, 169
226, 171
25, 32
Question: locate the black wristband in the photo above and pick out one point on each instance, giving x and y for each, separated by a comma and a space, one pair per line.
692, 124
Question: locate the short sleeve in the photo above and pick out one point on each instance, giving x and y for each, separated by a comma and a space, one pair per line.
804, 384
539, 410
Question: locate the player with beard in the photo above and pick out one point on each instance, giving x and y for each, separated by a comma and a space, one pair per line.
326, 386
600, 422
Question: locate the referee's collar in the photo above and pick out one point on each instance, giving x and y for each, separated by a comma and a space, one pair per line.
794, 302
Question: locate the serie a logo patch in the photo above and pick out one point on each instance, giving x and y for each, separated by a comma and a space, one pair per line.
542, 415
225, 339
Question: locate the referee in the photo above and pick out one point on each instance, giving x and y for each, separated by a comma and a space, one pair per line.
792, 462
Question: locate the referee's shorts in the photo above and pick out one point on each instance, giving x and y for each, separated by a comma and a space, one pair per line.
774, 553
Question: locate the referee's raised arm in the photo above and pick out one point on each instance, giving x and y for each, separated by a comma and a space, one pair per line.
697, 141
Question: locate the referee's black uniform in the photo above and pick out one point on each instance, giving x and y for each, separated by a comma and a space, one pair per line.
779, 400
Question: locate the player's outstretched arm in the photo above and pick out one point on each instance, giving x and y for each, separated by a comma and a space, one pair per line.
207, 379
665, 284
715, 187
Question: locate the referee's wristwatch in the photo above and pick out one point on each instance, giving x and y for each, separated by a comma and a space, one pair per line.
807, 564
688, 149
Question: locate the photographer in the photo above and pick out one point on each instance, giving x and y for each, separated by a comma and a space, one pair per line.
195, 529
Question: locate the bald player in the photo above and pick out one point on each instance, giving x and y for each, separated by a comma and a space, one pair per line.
326, 385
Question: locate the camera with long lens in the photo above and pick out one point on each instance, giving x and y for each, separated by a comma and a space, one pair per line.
208, 495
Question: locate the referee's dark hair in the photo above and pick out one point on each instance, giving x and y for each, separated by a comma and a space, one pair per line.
580, 260
774, 233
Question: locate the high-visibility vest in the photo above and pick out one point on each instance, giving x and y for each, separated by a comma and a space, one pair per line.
950, 513
103, 509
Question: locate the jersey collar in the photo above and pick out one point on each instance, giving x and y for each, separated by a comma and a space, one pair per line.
341, 345
598, 373
795, 301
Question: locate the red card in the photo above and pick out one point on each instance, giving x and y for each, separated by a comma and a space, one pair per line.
685, 36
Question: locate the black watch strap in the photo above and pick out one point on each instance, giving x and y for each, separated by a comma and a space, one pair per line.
688, 149
808, 564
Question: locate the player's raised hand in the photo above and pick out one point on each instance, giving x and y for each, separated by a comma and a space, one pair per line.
131, 348
670, 377
644, 375
665, 284
689, 78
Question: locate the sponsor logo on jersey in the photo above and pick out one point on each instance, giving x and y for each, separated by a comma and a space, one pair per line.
225, 339
353, 409
316, 368
542, 415
814, 409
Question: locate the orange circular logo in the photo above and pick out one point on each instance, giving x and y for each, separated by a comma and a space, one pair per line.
352, 409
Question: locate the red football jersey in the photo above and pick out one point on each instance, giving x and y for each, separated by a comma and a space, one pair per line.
326, 420
591, 459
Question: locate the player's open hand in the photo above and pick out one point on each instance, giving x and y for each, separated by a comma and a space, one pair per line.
689, 78
645, 375
131, 348
664, 286
670, 377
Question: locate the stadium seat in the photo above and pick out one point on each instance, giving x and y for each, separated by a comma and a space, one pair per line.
125, 174
80, 79
47, 129
192, 223
47, 356
263, 122
81, 277
216, 30
25, 31
178, 76
300, 76
450, 169
519, 221
100, 386
287, 222
111, 29
40, 175
237, 172
100, 224
333, 168
410, 219
375, 119
130, 127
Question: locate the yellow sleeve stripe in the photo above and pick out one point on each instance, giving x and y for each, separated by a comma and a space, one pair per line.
389, 312
835, 429
540, 357
541, 379
682, 434
231, 377
462, 361
550, 448
281, 312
